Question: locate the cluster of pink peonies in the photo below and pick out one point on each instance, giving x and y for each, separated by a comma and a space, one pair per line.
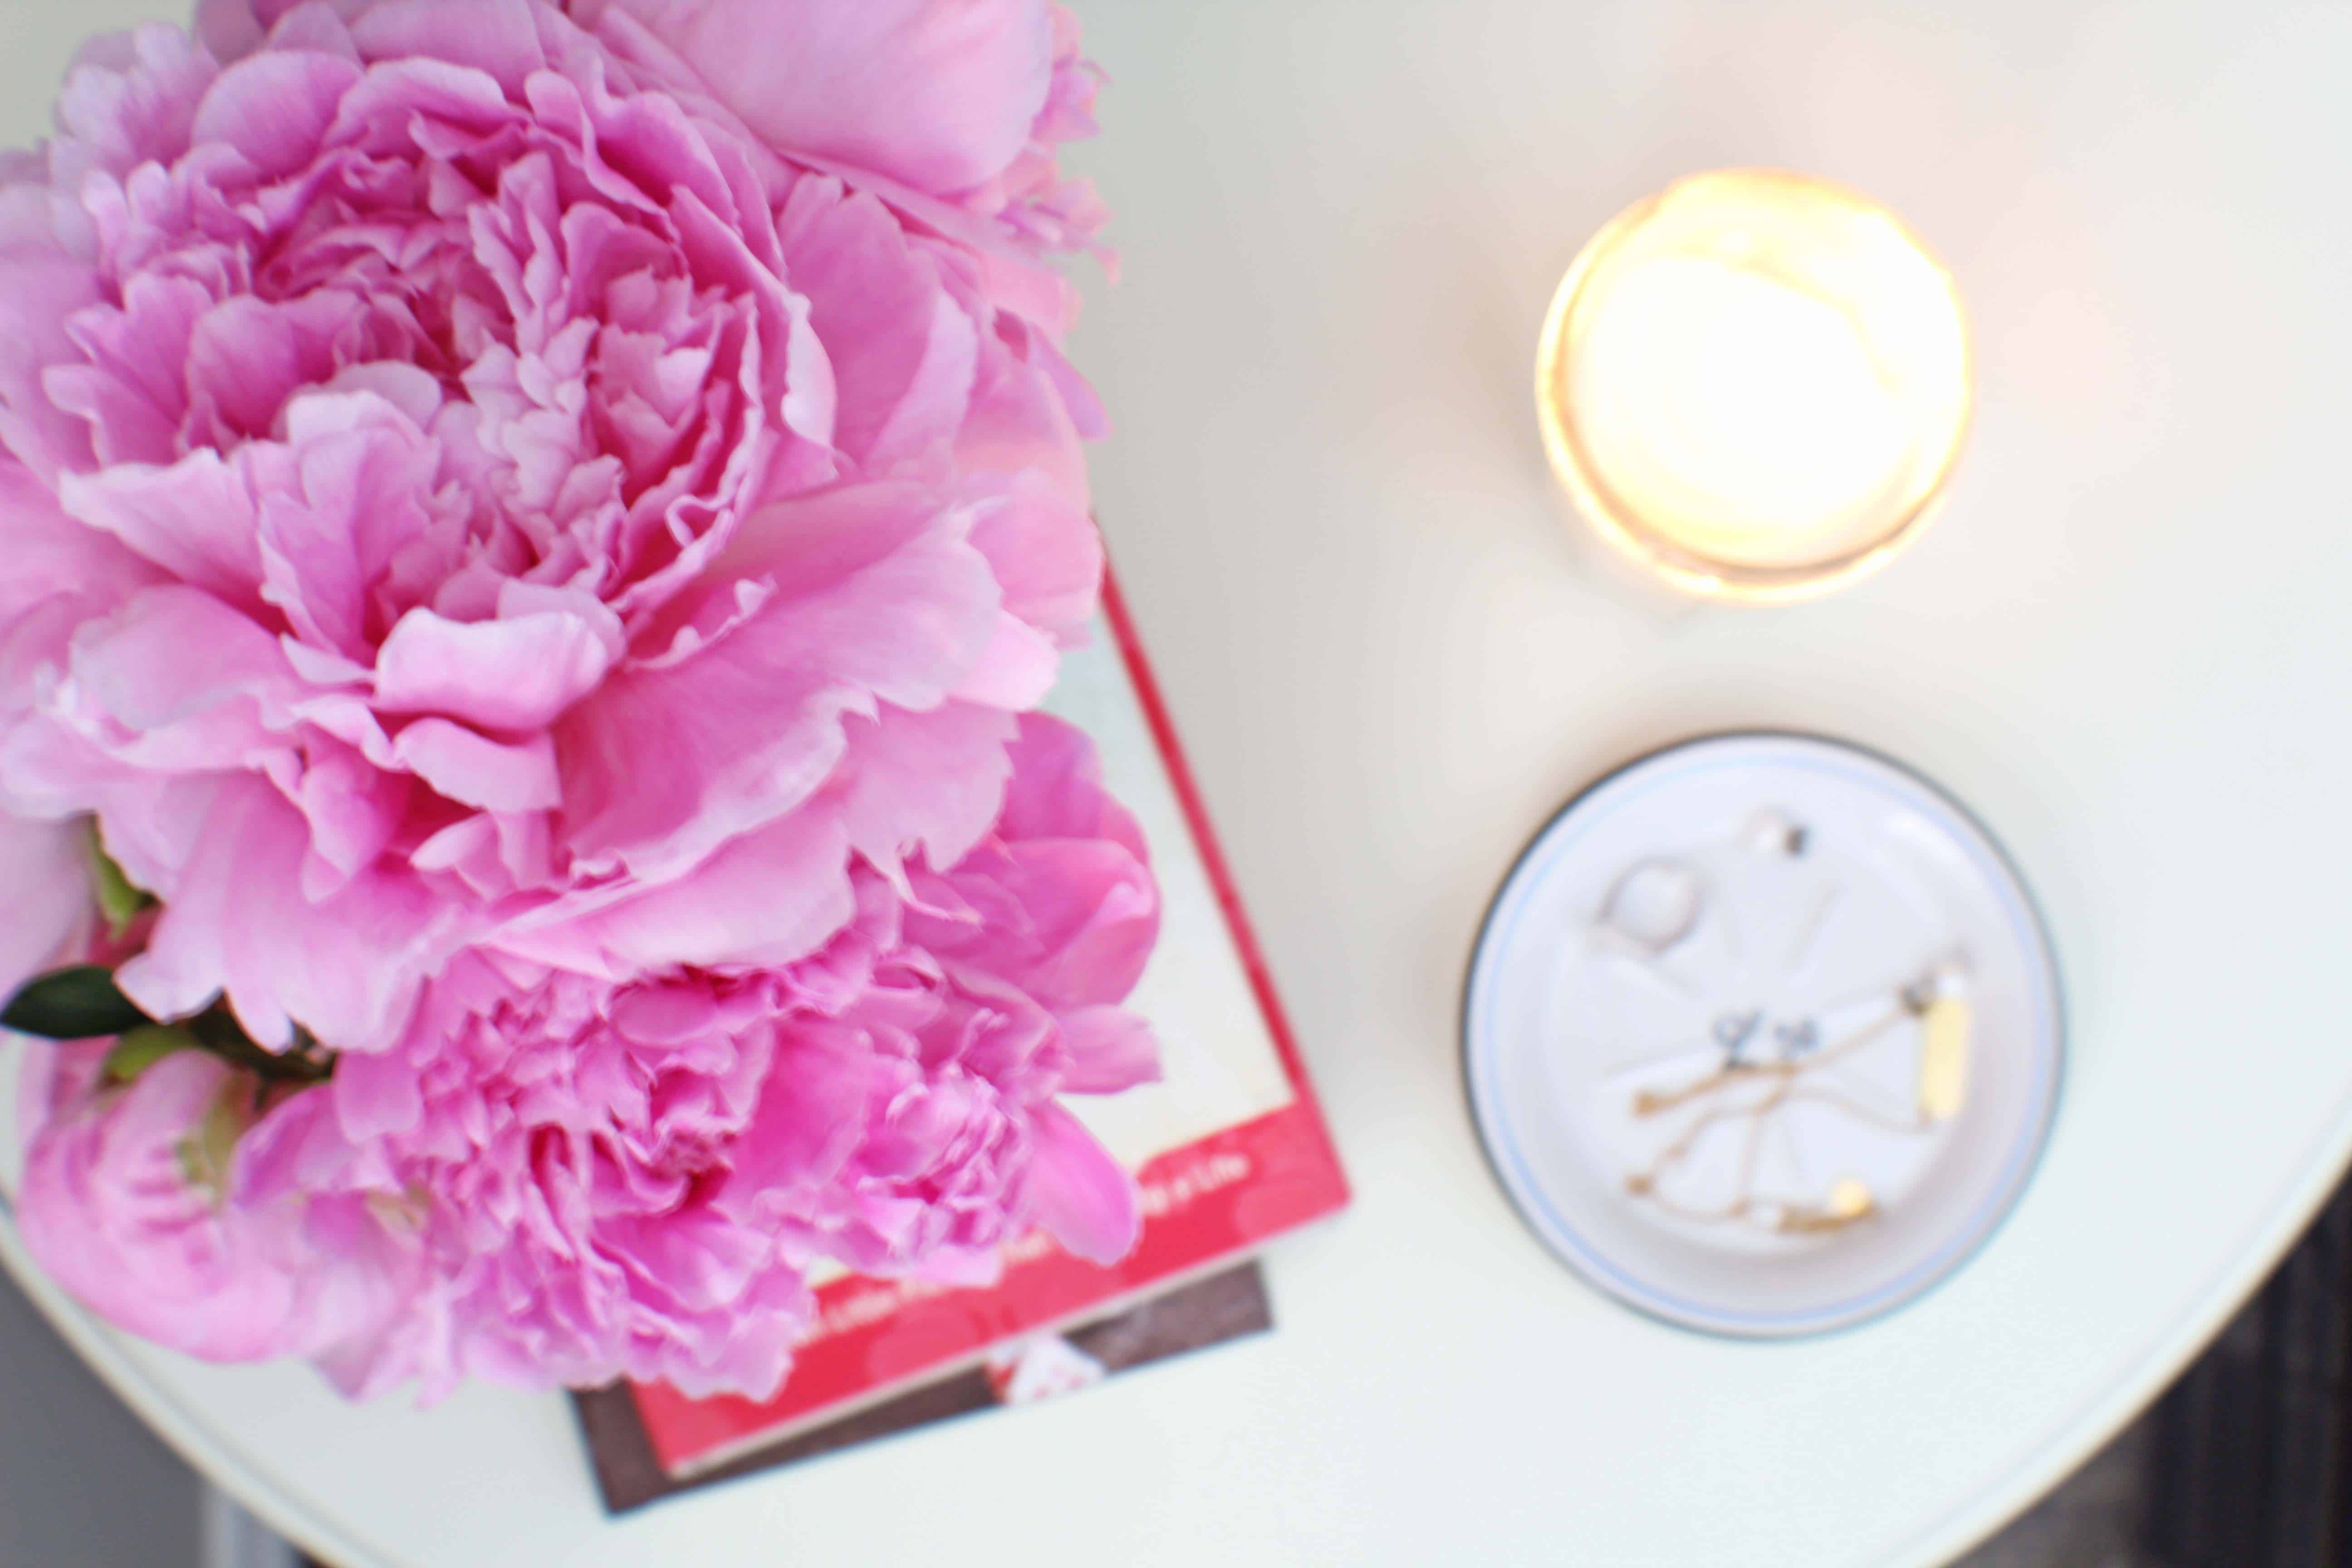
535, 531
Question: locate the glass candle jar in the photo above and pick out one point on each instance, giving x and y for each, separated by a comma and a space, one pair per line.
1756, 384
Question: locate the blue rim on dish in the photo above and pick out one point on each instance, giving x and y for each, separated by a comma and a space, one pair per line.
1505, 1159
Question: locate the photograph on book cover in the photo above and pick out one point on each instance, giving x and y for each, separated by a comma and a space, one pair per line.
1229, 1148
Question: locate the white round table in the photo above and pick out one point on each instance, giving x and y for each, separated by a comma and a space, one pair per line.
2126, 646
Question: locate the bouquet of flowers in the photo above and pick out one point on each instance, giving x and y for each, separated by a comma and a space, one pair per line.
535, 531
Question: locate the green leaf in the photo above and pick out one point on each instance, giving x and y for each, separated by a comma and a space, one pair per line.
142, 1047
76, 1003
305, 1062
117, 900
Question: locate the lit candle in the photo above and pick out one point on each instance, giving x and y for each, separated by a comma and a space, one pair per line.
1756, 384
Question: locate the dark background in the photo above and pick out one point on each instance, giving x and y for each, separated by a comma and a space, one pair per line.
2244, 1463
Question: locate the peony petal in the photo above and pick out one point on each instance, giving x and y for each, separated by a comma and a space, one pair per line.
349, 510
1048, 555
718, 776
230, 29
297, 1148
133, 391
246, 358
319, 26
1020, 427
44, 870
348, 967
376, 1095
1096, 919
931, 782
903, 393
40, 292
129, 98
60, 574
188, 679
194, 519
512, 674
1016, 671
872, 593
939, 94
355, 809
1064, 900
1058, 790
500, 36
275, 108
1076, 1191
1110, 1051
473, 770
812, 1113
768, 898
698, 1260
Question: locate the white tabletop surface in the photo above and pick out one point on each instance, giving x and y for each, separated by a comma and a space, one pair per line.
2126, 645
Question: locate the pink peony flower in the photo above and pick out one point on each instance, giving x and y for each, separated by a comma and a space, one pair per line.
479, 492
598, 1181
918, 1123
535, 527
122, 1202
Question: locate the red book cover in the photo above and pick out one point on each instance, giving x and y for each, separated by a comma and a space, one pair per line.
1230, 1150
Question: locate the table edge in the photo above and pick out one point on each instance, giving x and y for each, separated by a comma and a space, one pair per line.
1994, 1504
